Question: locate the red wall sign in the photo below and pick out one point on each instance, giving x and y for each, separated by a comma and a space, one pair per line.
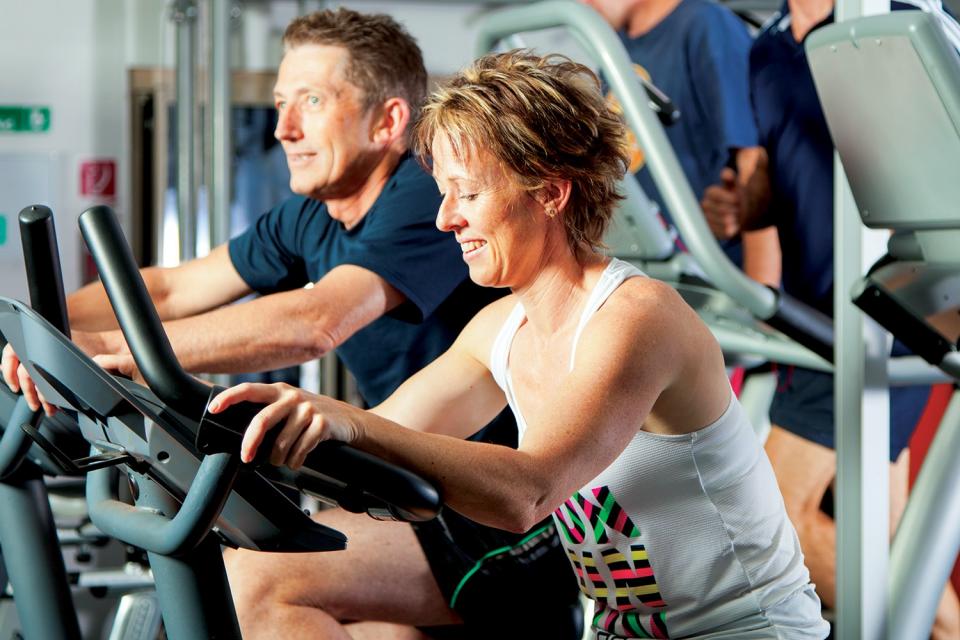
98, 178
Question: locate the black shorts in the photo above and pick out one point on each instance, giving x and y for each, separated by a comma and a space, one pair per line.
489, 576
803, 405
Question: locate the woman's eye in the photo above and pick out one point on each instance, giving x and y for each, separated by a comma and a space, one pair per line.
469, 197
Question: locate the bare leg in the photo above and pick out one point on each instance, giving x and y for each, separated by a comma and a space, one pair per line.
804, 470
381, 576
946, 626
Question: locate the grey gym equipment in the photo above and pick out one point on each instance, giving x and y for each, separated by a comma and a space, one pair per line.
890, 89
29, 535
190, 492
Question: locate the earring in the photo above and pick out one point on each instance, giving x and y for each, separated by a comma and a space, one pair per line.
551, 212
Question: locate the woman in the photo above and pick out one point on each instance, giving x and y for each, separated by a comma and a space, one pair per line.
630, 434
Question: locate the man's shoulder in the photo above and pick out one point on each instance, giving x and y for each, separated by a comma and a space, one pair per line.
773, 41
409, 199
411, 181
709, 15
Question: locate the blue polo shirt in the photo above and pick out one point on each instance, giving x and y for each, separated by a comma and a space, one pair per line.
698, 55
297, 242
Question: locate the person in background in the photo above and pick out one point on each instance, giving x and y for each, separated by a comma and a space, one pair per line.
696, 51
791, 188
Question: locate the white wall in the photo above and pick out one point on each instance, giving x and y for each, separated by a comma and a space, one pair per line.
68, 56
73, 57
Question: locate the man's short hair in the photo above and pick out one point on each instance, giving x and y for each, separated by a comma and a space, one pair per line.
385, 60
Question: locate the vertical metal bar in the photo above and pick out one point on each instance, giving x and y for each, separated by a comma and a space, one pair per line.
185, 18
861, 401
219, 178
219, 132
926, 543
33, 558
195, 595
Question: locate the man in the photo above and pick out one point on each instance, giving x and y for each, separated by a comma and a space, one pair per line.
792, 188
696, 51
389, 292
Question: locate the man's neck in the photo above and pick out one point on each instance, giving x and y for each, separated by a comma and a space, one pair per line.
806, 14
350, 210
648, 14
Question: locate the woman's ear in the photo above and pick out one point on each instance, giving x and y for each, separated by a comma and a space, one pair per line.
392, 123
553, 195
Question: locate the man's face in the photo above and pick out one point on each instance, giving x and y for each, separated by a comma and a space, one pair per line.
614, 12
322, 125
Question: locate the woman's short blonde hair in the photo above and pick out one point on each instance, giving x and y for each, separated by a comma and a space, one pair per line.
541, 118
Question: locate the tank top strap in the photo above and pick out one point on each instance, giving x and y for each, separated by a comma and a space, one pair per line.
500, 353
611, 278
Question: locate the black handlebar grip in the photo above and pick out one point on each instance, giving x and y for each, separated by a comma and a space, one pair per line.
42, 260
808, 326
137, 315
414, 497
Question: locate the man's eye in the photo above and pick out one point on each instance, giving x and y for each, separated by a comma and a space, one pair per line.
281, 105
313, 100
469, 197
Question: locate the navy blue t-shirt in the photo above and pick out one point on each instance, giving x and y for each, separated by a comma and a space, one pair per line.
698, 55
794, 131
297, 242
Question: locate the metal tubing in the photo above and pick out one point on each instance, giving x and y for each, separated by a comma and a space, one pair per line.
156, 532
219, 178
185, 18
859, 404
14, 442
194, 594
42, 261
33, 559
136, 314
599, 39
928, 537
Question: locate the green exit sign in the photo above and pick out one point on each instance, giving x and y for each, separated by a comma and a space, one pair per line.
24, 119
3, 229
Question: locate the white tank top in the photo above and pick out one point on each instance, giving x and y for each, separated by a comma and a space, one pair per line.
682, 535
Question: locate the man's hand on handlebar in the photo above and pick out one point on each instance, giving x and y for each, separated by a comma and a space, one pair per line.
722, 204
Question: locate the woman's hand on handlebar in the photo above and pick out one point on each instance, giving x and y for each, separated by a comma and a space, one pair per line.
304, 420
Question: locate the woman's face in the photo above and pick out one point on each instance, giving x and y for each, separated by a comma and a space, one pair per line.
499, 226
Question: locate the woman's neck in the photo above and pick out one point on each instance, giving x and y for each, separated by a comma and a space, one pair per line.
553, 298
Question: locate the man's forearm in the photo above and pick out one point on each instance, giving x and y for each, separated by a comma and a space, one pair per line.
89, 308
754, 178
249, 337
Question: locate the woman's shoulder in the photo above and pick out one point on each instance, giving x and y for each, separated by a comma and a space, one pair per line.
642, 294
649, 310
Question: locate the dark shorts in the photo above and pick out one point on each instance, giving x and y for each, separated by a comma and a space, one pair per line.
803, 405
502, 584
